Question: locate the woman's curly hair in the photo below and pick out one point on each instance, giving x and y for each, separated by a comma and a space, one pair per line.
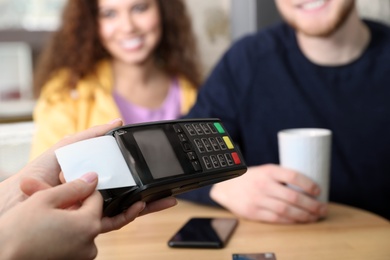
76, 45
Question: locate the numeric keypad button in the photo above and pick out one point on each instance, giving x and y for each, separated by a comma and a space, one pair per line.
214, 143
207, 162
229, 159
221, 143
212, 128
190, 129
207, 145
205, 129
198, 129
199, 145
214, 161
222, 160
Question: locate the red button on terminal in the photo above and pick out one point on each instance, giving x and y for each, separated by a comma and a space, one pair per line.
236, 158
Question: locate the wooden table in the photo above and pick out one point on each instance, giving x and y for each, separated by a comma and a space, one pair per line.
347, 233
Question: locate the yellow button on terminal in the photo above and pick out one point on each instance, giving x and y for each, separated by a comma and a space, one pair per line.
228, 143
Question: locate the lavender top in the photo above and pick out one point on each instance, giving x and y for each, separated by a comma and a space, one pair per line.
170, 109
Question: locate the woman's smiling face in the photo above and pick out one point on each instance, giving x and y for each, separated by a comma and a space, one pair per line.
130, 30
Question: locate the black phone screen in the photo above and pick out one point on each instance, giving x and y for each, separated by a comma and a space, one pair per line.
204, 233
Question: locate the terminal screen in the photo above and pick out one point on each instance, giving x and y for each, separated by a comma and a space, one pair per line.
158, 153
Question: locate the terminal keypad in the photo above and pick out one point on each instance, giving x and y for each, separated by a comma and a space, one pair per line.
211, 147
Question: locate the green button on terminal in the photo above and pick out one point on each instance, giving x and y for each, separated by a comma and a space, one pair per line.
219, 128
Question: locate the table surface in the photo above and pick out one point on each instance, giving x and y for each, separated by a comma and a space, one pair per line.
347, 233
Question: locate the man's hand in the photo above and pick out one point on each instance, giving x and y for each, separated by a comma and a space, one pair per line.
261, 194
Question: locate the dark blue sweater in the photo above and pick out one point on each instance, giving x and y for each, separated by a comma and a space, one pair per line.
264, 84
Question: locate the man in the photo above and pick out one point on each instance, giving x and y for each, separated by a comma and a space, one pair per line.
325, 68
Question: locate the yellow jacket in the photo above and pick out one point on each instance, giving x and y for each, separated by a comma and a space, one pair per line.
60, 112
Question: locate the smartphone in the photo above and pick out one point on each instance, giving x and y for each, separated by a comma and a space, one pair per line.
204, 233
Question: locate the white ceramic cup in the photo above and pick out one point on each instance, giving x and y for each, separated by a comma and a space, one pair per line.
307, 151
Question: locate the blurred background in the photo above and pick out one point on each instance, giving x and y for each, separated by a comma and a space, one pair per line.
26, 25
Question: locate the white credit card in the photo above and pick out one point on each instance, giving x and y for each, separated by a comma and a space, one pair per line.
101, 155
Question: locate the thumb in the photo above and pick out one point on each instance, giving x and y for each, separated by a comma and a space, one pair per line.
30, 185
68, 194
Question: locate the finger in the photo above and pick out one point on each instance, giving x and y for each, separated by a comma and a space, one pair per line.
294, 198
159, 205
285, 211
92, 206
30, 185
62, 178
47, 161
68, 194
271, 217
90, 133
297, 179
137, 209
118, 221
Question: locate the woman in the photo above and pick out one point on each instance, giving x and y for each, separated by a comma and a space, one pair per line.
134, 59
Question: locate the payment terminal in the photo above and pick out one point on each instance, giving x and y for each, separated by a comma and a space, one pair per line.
166, 158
